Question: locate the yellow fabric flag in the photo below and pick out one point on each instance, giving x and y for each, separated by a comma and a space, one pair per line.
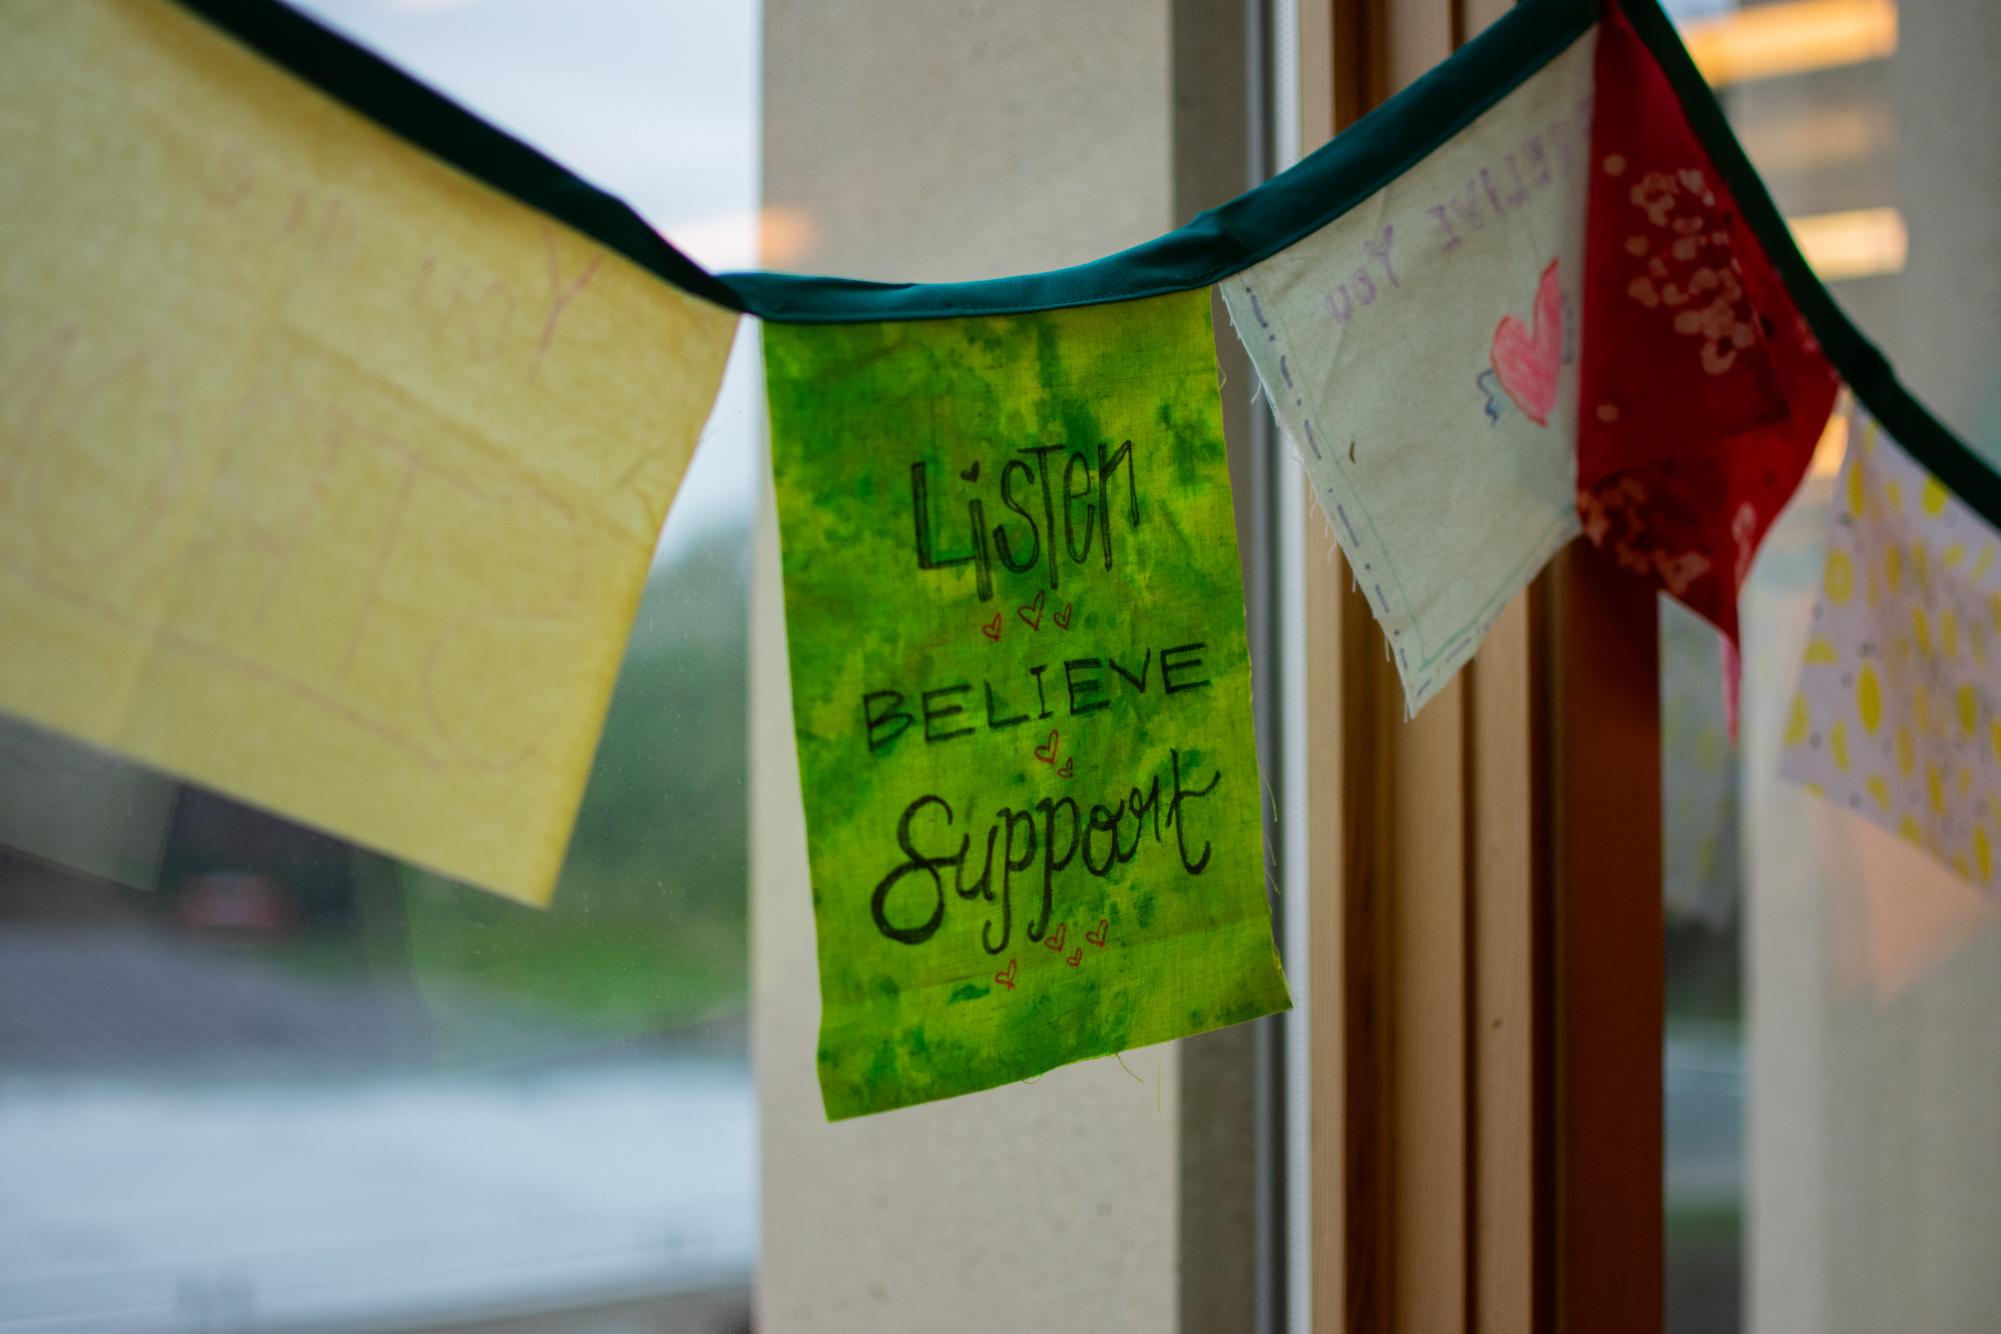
329, 476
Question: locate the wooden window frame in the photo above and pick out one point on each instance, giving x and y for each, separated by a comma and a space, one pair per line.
1484, 935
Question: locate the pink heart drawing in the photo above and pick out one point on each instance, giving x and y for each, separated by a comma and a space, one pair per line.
1527, 362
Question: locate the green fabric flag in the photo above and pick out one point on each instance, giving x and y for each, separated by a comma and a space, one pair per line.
1020, 691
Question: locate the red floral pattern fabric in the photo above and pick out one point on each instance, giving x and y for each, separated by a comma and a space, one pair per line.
1703, 392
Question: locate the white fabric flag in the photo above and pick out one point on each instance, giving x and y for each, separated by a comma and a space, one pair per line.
1420, 352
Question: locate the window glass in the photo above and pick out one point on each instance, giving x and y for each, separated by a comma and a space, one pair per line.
1832, 1148
254, 1077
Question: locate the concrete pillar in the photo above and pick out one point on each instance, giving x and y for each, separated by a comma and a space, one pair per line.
908, 140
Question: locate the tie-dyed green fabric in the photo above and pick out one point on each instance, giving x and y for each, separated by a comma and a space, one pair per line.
1020, 693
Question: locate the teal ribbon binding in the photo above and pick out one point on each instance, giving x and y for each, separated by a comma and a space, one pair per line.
1208, 248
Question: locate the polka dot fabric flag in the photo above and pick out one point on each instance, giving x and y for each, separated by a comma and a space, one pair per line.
1898, 712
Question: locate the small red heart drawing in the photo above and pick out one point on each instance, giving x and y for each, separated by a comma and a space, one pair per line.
1033, 622
1076, 958
1062, 618
992, 629
1527, 362
1047, 753
1055, 942
1005, 977
1098, 937
1069, 769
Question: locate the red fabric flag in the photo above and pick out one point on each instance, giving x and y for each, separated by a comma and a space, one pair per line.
1703, 392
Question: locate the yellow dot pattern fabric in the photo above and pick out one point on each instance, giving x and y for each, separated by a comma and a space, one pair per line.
1898, 712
